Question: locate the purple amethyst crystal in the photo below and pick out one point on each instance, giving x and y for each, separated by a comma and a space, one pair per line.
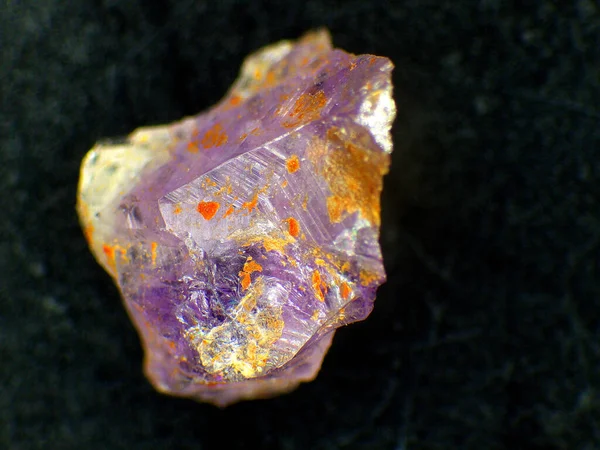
241, 238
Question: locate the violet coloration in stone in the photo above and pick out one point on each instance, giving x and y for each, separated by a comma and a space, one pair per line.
243, 237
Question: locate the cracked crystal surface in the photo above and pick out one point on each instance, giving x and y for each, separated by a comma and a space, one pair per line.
241, 238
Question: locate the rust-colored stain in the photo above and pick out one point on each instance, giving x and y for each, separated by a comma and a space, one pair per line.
306, 109
367, 278
336, 206
353, 173
214, 137
270, 79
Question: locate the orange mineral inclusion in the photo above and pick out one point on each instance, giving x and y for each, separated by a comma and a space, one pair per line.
214, 137
292, 164
208, 209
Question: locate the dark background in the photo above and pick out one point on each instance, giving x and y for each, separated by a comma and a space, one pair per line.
486, 335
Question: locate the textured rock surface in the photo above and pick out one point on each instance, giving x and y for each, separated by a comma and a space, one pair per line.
243, 237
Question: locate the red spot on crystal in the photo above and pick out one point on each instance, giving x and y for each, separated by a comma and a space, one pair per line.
293, 226
208, 209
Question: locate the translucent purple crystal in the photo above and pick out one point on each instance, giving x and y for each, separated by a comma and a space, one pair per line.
243, 237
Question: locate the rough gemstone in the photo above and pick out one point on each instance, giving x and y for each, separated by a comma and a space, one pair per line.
241, 238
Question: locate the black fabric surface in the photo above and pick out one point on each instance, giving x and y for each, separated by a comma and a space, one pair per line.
486, 335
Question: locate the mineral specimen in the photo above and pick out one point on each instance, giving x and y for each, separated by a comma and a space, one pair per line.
243, 237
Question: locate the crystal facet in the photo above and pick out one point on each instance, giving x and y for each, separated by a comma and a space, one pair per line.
241, 238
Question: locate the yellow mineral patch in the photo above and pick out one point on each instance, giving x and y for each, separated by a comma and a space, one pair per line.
354, 175
305, 203
250, 80
107, 172
273, 241
226, 188
336, 207
367, 278
240, 347
275, 244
